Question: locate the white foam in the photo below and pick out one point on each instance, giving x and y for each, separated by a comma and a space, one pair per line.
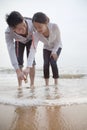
46, 102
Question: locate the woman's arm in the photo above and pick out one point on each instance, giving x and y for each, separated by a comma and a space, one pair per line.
31, 57
57, 41
11, 49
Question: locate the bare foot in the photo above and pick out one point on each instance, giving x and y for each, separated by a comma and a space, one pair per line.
32, 86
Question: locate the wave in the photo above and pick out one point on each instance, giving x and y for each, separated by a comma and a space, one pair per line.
41, 97
63, 75
69, 92
6, 71
43, 102
72, 76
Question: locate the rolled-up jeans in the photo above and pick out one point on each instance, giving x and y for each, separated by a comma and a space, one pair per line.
49, 60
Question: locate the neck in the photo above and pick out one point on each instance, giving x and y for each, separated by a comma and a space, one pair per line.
46, 33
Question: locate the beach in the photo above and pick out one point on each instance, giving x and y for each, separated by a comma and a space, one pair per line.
62, 107
72, 117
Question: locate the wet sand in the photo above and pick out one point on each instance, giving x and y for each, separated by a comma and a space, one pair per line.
73, 117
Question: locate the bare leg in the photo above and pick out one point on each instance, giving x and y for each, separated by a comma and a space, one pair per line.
56, 81
32, 76
47, 82
19, 82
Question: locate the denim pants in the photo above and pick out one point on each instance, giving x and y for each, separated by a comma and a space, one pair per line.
47, 62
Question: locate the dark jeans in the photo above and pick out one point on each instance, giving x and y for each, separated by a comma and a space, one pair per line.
50, 61
19, 49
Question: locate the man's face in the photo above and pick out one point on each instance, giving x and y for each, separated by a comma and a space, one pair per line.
21, 28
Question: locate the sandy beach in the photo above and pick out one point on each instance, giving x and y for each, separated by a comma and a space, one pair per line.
72, 117
62, 107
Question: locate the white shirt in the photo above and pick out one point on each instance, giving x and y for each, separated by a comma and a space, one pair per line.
53, 43
11, 36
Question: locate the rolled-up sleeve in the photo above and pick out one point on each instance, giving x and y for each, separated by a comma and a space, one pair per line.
33, 48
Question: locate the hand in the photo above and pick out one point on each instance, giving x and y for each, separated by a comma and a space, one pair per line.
55, 56
26, 71
20, 74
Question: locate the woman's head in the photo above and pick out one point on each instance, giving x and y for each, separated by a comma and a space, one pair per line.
14, 18
16, 21
40, 21
40, 17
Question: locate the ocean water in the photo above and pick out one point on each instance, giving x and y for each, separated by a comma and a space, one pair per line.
71, 89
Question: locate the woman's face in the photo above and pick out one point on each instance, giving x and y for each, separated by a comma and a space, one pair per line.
40, 27
21, 28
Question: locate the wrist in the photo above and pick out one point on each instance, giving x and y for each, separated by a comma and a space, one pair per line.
27, 67
18, 70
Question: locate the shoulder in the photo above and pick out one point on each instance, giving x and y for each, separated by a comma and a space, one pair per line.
36, 34
7, 30
28, 20
54, 27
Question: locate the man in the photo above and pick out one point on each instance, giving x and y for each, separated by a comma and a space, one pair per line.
18, 35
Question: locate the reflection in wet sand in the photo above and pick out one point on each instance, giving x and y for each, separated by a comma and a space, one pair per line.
50, 118
35, 118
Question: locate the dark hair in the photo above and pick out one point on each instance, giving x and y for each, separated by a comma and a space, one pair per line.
14, 18
40, 18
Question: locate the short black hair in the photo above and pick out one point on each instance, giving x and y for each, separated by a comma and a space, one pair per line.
14, 18
40, 18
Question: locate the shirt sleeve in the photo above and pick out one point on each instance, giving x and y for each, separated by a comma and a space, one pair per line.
57, 41
11, 49
31, 57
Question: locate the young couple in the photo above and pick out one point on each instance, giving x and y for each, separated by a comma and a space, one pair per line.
24, 33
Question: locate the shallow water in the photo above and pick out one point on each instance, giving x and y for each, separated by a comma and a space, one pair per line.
43, 108
71, 89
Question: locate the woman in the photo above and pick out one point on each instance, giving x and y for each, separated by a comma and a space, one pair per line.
49, 34
18, 37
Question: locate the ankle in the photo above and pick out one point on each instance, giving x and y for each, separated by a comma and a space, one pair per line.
56, 81
47, 82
